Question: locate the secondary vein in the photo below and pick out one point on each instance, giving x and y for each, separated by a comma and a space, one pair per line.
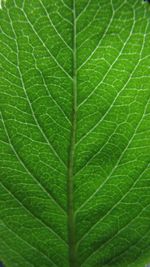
71, 220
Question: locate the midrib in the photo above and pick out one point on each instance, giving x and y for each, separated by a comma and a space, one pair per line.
71, 222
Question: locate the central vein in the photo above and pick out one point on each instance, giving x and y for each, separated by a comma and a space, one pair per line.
71, 221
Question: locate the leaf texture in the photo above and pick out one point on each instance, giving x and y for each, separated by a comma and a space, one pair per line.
75, 133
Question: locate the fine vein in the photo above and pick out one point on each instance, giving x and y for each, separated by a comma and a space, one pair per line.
71, 221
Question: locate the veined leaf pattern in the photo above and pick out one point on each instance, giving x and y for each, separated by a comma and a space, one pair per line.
74, 133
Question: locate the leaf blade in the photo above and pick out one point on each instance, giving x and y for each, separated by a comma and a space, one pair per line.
75, 133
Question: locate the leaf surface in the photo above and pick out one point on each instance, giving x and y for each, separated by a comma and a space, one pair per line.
75, 133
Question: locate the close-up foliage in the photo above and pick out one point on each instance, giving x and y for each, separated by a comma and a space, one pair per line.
74, 133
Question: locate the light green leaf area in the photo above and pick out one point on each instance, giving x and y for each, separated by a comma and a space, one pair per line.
75, 133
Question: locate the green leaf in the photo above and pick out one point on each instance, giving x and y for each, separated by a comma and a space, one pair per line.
75, 133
